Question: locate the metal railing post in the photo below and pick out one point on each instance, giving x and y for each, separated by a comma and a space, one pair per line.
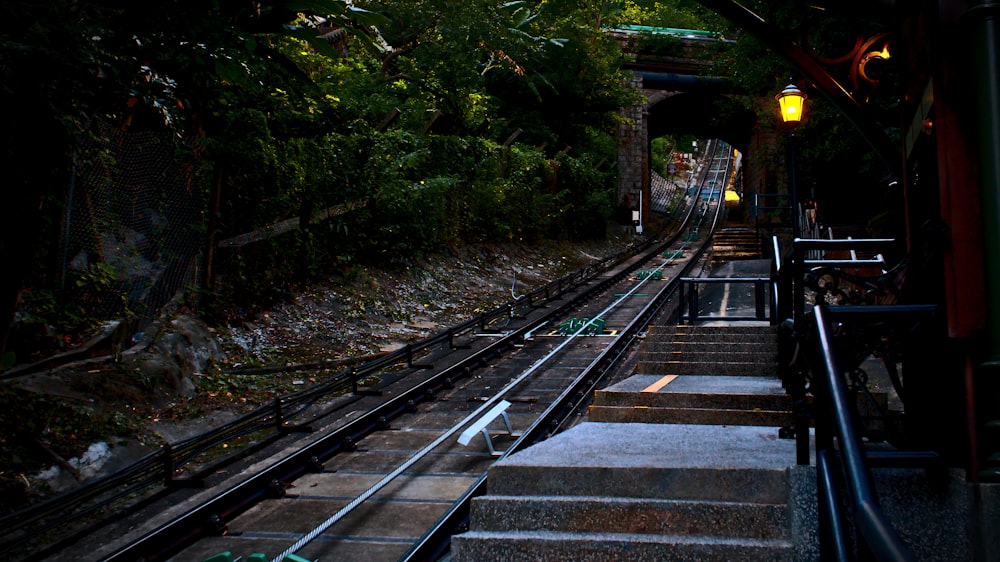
681, 300
758, 287
279, 416
168, 464
693, 303
798, 289
875, 533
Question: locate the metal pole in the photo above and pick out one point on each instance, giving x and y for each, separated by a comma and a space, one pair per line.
793, 187
798, 290
642, 195
758, 287
680, 307
983, 22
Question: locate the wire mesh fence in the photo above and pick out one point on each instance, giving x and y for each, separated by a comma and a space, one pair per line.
133, 225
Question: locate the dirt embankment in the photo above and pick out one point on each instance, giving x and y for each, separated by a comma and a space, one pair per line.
365, 312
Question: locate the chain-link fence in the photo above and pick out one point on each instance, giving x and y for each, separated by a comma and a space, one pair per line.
133, 225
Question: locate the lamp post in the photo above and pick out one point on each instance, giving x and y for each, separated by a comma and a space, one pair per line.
791, 101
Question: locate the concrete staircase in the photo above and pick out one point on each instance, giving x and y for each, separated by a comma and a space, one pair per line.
738, 350
704, 476
736, 243
625, 491
721, 375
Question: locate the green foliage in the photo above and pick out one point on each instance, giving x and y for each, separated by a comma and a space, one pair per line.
679, 15
31, 423
287, 124
659, 149
79, 309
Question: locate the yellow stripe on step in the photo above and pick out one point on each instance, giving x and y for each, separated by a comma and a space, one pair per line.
656, 386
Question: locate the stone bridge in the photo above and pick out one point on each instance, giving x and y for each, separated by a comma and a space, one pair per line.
669, 67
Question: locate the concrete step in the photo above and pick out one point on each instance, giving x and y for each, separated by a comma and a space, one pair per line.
693, 391
737, 244
713, 337
629, 460
735, 253
728, 329
625, 491
716, 356
693, 399
705, 416
583, 514
731, 237
685, 483
699, 346
742, 242
763, 335
739, 234
729, 368
533, 546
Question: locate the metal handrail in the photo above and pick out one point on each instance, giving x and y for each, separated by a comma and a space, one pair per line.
801, 248
691, 302
777, 270
831, 391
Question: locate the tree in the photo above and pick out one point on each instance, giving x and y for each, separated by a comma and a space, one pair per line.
67, 64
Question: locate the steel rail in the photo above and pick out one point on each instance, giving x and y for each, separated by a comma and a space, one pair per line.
274, 418
416, 457
436, 541
353, 504
167, 539
161, 466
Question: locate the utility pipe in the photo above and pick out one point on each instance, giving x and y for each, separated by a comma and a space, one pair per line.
982, 21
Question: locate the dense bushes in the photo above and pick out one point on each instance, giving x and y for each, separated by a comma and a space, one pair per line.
410, 194
282, 116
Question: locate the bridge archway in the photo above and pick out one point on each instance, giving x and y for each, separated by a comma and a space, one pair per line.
675, 104
706, 117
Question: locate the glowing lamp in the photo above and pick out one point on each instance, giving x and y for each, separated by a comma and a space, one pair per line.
791, 100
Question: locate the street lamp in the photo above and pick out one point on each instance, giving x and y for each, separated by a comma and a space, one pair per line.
791, 101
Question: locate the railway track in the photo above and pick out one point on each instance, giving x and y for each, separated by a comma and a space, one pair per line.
391, 477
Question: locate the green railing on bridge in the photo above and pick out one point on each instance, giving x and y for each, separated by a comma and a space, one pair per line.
672, 31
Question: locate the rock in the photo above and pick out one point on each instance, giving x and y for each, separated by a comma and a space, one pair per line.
179, 350
100, 459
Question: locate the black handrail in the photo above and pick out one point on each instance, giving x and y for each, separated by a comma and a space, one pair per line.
688, 299
777, 270
832, 397
801, 248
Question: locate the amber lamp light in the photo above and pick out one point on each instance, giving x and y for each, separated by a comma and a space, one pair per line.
791, 100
